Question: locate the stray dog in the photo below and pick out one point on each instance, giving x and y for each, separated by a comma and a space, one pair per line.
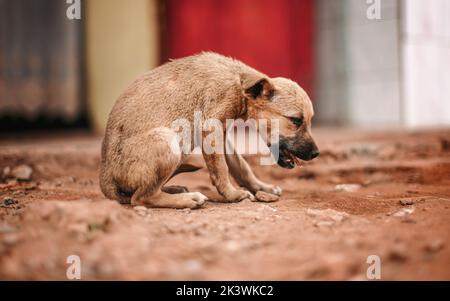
137, 159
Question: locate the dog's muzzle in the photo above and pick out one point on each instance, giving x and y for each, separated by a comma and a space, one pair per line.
288, 157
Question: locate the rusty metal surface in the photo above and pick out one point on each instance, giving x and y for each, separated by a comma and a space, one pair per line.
40, 60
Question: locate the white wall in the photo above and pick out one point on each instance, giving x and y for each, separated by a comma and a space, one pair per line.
389, 72
358, 64
426, 62
330, 92
373, 65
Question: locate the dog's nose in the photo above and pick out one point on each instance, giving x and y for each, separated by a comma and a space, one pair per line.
314, 153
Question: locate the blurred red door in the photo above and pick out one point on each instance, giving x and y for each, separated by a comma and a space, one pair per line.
273, 36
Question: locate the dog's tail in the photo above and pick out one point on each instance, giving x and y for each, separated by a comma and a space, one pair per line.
108, 185
111, 190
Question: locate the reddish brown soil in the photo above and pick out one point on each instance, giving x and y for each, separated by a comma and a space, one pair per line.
61, 212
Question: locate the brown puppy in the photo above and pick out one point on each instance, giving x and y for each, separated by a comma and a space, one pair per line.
138, 153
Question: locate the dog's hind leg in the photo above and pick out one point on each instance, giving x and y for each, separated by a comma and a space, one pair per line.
161, 199
150, 160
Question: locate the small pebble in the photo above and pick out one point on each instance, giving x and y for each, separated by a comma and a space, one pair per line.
193, 266
327, 218
140, 208
267, 207
398, 254
8, 201
141, 212
434, 246
347, 187
5, 228
232, 246
22, 172
6, 171
10, 239
404, 212
406, 202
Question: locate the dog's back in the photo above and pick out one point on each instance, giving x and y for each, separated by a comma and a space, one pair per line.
176, 89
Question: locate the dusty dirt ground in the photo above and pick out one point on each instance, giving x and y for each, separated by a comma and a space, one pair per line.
399, 210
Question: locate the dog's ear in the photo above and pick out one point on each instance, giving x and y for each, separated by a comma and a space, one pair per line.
255, 86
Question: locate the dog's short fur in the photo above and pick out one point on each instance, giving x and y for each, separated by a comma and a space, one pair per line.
136, 156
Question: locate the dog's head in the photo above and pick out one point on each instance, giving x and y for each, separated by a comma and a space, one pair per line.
284, 100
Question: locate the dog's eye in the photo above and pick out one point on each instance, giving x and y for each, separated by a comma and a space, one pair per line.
298, 121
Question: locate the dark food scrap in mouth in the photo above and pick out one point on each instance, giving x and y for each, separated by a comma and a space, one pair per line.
288, 160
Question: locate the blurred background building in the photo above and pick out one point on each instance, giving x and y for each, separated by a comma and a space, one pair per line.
393, 71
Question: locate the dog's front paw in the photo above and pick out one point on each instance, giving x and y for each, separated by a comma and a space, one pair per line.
238, 195
272, 189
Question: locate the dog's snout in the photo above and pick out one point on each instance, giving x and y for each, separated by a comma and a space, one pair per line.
307, 153
315, 153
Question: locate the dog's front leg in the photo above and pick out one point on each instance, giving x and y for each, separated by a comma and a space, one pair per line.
243, 174
218, 171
